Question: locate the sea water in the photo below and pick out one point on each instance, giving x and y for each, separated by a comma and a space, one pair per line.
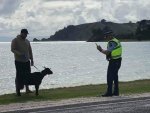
75, 63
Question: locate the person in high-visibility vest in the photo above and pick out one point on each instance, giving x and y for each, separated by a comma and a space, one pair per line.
114, 56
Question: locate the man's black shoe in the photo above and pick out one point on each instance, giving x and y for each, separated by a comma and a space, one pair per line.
106, 95
115, 94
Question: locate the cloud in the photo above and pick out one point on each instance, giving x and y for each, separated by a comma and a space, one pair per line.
7, 10
44, 17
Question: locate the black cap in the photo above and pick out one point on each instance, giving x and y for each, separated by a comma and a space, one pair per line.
24, 31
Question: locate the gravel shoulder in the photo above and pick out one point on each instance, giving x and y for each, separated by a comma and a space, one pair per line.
42, 104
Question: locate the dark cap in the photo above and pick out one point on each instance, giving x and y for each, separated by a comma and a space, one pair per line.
24, 31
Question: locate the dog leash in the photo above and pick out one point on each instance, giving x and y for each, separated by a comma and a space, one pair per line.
36, 68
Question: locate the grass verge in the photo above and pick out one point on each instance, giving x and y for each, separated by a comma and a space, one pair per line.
133, 87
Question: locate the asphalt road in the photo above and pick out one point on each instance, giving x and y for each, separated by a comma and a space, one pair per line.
133, 105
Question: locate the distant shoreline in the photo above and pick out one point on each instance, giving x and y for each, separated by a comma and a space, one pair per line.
81, 41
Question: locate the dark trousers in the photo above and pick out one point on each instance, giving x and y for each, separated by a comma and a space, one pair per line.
112, 75
23, 70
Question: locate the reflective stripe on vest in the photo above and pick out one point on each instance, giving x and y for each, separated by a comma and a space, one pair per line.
117, 52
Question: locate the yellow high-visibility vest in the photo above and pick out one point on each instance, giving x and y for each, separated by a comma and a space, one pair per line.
117, 52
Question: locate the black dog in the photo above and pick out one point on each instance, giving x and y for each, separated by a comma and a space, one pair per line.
35, 79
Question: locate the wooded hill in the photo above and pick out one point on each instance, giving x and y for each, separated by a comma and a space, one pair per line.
94, 31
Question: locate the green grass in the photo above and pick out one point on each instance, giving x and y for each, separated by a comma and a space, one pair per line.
133, 87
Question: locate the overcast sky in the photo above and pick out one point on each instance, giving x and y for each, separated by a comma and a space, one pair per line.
44, 17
